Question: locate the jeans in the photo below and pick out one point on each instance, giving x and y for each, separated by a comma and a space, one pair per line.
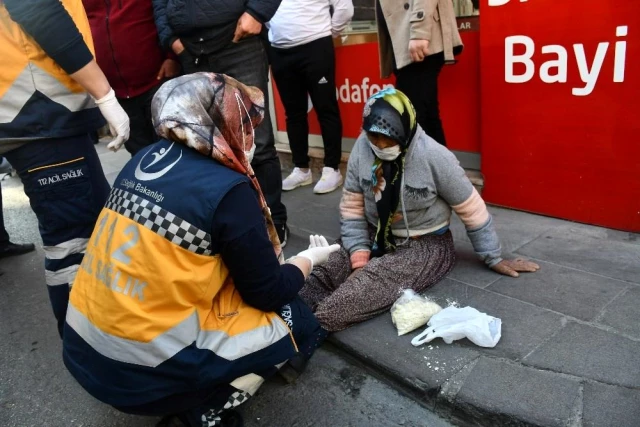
246, 62
138, 109
419, 81
309, 69
67, 189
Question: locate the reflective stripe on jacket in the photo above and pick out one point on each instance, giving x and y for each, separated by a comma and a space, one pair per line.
38, 99
153, 311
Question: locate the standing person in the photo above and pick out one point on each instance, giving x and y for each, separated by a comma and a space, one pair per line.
416, 39
128, 51
197, 310
224, 36
49, 87
303, 61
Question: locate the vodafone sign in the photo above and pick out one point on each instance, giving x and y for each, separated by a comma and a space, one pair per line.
560, 99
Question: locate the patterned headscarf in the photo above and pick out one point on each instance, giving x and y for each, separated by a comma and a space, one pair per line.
215, 115
390, 113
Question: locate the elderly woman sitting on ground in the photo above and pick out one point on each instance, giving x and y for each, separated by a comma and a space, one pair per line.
400, 188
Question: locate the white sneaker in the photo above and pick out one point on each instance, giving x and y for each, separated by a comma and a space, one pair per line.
296, 179
331, 179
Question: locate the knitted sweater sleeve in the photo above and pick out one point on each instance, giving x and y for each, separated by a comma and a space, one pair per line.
354, 226
455, 188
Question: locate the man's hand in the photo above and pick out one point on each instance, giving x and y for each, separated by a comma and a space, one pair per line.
247, 26
169, 69
177, 47
418, 49
512, 267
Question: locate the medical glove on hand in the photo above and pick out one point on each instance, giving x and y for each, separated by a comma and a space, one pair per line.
116, 118
319, 250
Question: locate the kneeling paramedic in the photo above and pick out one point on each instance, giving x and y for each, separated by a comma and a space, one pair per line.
182, 305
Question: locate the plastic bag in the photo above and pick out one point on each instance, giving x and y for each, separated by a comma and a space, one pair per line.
412, 311
455, 323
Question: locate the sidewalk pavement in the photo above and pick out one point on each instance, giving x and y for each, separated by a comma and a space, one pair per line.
570, 348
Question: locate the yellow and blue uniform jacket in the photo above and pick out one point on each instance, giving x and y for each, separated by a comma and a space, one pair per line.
40, 46
153, 311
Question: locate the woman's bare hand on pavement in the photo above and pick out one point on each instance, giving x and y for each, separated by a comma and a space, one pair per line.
514, 266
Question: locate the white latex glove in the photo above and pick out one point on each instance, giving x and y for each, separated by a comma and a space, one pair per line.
116, 118
319, 250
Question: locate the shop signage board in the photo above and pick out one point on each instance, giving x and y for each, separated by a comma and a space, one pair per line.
358, 77
560, 100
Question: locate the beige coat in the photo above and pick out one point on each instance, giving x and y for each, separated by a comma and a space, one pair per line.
432, 20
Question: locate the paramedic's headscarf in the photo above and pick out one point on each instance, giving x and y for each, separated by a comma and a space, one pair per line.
390, 113
215, 115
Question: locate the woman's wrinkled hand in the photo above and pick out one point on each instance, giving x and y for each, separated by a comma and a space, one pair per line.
513, 267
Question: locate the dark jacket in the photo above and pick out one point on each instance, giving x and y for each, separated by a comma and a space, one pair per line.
179, 18
126, 44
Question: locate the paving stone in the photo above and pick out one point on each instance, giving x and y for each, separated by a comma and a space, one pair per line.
311, 220
568, 291
606, 405
590, 352
501, 393
469, 269
594, 252
524, 326
376, 343
513, 227
623, 313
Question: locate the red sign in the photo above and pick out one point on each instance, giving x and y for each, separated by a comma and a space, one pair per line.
358, 77
560, 103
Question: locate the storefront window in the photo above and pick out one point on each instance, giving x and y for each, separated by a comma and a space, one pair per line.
364, 10
465, 8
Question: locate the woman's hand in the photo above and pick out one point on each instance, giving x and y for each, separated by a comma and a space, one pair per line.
418, 49
512, 267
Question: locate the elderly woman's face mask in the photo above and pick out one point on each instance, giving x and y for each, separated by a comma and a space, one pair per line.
383, 147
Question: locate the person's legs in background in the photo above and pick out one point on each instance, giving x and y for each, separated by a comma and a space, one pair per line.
139, 111
246, 62
67, 189
419, 81
7, 248
285, 66
319, 61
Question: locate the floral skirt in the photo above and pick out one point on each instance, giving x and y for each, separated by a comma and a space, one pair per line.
340, 301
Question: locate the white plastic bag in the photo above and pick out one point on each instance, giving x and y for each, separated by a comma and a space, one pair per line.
412, 311
455, 323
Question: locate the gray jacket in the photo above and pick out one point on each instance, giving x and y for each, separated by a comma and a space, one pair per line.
433, 184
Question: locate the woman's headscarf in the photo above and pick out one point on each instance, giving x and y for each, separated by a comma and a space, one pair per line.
215, 115
389, 113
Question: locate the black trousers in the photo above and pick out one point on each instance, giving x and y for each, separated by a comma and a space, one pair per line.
246, 62
419, 81
4, 236
138, 109
309, 69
